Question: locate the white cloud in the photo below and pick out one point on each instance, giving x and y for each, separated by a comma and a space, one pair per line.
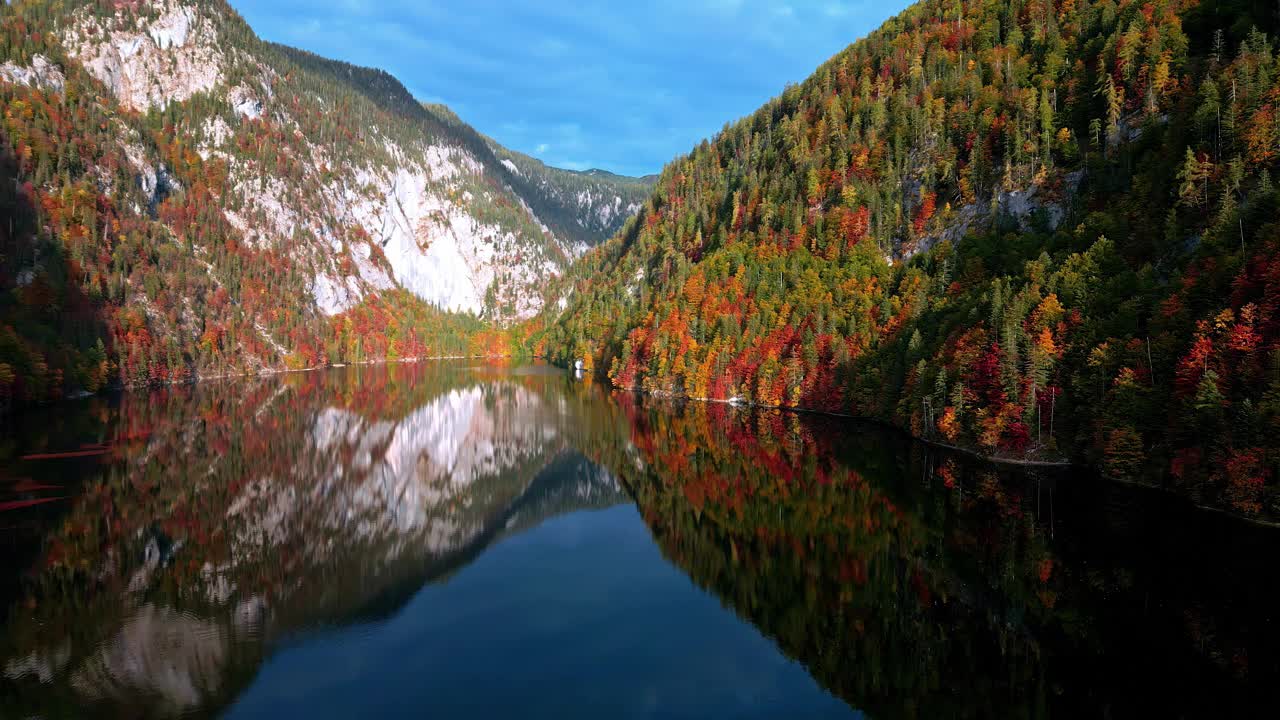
726, 7
426, 97
550, 47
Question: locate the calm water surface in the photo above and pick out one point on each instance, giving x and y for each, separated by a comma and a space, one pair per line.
448, 540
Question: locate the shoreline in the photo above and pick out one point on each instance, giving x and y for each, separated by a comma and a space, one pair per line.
268, 372
78, 395
997, 459
1180, 497
672, 398
975, 454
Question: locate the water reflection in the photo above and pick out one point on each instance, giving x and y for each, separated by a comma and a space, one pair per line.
223, 517
205, 528
913, 583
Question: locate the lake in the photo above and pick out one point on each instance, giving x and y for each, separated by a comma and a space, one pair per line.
458, 540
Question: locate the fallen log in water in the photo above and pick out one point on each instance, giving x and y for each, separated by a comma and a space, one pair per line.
19, 504
72, 454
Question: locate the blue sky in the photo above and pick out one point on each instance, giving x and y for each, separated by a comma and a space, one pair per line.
624, 85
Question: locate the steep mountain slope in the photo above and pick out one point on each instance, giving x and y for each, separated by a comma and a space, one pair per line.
185, 199
1034, 229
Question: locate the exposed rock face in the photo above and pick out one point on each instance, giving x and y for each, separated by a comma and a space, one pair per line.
42, 73
1021, 205
424, 213
246, 105
167, 59
606, 210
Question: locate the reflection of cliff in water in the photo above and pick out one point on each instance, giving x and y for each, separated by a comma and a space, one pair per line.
225, 524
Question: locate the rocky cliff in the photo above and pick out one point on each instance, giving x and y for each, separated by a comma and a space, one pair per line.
249, 205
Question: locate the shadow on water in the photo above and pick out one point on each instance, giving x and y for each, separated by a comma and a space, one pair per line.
224, 522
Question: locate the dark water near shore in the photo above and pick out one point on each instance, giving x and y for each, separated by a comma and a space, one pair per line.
449, 540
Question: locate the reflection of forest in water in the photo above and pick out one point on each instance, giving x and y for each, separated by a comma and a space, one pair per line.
912, 583
223, 518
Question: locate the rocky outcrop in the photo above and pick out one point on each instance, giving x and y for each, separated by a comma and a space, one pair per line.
1048, 199
151, 62
42, 73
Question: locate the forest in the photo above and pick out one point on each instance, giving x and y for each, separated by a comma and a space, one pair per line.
1040, 230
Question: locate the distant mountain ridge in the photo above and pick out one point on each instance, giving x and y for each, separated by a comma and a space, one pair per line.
594, 203
585, 207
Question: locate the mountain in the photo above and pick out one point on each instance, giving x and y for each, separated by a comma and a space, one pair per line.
593, 202
1037, 230
187, 200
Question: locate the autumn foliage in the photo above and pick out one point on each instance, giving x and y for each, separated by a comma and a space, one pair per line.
1038, 231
